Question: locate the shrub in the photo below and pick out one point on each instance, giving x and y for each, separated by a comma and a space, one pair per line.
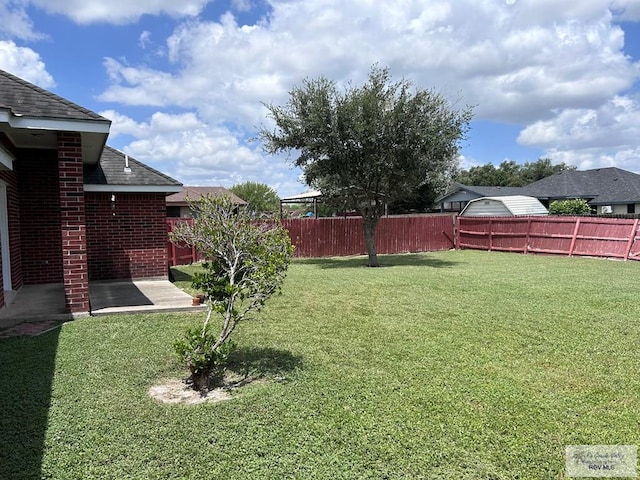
206, 365
575, 206
246, 263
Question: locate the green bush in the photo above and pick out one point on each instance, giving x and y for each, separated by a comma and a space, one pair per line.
206, 364
247, 261
574, 206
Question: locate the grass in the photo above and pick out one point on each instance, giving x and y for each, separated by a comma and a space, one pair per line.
461, 365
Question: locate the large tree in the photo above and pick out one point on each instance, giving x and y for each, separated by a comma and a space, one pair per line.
370, 145
260, 197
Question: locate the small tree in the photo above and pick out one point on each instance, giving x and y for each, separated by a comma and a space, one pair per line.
575, 206
246, 263
260, 197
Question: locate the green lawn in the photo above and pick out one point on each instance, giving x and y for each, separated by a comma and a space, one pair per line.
461, 365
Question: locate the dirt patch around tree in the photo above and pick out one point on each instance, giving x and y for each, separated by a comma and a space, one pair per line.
177, 391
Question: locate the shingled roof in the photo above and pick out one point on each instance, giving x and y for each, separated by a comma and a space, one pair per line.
110, 175
31, 117
194, 193
481, 191
599, 186
602, 186
25, 99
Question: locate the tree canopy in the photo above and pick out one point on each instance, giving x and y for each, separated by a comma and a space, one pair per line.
260, 197
510, 173
370, 145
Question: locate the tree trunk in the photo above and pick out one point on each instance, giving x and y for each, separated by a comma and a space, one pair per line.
200, 380
369, 231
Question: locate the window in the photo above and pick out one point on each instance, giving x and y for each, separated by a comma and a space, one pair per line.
631, 208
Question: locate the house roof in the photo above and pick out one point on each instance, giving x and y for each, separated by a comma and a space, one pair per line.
25, 99
480, 191
194, 194
110, 175
599, 186
602, 186
31, 117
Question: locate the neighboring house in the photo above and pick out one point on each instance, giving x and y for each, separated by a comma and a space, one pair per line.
72, 209
178, 203
607, 190
510, 205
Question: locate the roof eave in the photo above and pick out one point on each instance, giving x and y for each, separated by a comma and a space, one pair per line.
57, 124
168, 189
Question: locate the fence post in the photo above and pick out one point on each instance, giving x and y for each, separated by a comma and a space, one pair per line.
573, 238
526, 238
490, 236
456, 233
174, 260
632, 238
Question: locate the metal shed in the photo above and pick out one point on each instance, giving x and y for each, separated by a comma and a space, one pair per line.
512, 205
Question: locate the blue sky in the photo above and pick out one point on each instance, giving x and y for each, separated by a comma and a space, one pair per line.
184, 81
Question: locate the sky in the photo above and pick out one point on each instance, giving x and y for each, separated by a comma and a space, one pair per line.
185, 82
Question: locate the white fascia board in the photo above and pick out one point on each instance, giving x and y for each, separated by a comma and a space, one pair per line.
6, 159
133, 188
88, 126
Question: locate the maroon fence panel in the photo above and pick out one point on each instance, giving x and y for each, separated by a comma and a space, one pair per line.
583, 236
180, 254
343, 236
334, 237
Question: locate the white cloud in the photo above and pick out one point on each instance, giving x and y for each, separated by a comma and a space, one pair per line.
145, 39
241, 5
24, 63
518, 61
15, 22
588, 138
195, 153
628, 10
120, 11
515, 62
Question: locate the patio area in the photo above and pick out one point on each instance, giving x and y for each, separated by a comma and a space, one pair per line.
44, 304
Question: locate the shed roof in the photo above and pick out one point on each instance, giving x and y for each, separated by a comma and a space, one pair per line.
302, 197
516, 204
110, 175
194, 194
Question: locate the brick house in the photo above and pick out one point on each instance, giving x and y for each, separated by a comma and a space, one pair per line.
178, 203
72, 209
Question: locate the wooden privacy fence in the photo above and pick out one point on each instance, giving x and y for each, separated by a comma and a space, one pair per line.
340, 236
333, 237
583, 236
180, 254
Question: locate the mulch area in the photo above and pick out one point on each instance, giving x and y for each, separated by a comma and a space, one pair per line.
29, 329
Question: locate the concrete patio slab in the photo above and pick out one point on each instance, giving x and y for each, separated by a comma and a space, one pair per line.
37, 303
141, 296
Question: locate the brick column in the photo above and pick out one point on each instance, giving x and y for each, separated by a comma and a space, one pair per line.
72, 222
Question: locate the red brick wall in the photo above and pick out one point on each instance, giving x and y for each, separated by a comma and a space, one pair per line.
39, 206
126, 238
72, 222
